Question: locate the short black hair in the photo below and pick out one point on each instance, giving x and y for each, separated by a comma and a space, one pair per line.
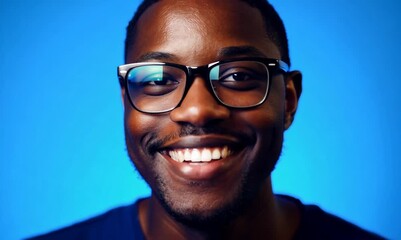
273, 24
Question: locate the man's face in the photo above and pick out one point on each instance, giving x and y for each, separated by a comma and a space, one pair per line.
249, 141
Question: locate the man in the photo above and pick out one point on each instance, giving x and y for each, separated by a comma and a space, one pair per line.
207, 95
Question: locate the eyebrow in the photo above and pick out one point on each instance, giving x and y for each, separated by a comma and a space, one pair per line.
156, 56
226, 52
236, 51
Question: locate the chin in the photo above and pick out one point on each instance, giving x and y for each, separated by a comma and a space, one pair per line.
201, 214
205, 210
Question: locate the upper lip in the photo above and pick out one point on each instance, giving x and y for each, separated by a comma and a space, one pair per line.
209, 140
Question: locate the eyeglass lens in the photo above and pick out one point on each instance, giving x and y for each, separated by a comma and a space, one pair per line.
157, 88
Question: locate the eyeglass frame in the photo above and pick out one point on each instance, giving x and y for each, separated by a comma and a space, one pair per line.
191, 71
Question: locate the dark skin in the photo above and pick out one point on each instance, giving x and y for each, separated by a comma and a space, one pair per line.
191, 34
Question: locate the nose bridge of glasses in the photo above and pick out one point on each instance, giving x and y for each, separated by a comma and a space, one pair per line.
197, 82
197, 71
199, 105
200, 72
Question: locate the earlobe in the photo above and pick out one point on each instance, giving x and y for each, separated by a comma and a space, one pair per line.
293, 90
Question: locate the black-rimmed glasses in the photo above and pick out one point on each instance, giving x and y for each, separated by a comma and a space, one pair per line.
155, 87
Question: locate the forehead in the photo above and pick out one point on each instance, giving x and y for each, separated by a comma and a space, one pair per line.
195, 31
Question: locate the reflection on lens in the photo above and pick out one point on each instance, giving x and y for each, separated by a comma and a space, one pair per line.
155, 88
159, 87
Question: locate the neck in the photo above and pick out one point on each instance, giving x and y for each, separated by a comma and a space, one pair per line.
267, 216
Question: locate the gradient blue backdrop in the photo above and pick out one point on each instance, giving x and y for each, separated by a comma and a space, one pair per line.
62, 153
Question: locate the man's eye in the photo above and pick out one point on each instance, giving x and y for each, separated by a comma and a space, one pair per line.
158, 80
240, 79
157, 85
238, 76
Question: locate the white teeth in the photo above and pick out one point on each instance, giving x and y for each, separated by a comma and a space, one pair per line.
180, 156
216, 154
206, 155
187, 155
173, 155
224, 153
199, 155
196, 156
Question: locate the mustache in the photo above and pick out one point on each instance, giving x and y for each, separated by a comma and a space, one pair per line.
154, 142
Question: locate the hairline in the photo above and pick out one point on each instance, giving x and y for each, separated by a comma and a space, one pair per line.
271, 35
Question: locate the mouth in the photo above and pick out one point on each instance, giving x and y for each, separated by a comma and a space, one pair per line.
203, 158
199, 155
205, 148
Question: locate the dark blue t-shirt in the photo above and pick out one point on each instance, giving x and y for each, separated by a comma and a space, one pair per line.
122, 223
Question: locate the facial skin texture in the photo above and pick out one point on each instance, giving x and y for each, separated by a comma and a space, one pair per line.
205, 200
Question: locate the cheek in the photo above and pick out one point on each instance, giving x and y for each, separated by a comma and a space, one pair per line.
137, 126
270, 114
267, 124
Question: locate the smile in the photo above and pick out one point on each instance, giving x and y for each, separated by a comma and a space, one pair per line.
203, 157
199, 154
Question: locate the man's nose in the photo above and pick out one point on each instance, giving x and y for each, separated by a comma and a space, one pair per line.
199, 107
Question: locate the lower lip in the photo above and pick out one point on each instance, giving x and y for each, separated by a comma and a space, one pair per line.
199, 171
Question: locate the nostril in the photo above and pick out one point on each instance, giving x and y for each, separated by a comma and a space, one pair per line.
198, 117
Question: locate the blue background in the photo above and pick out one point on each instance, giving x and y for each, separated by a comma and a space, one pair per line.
62, 148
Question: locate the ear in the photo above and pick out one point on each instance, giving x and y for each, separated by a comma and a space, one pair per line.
123, 95
122, 88
293, 89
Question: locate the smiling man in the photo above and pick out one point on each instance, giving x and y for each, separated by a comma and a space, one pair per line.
207, 96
